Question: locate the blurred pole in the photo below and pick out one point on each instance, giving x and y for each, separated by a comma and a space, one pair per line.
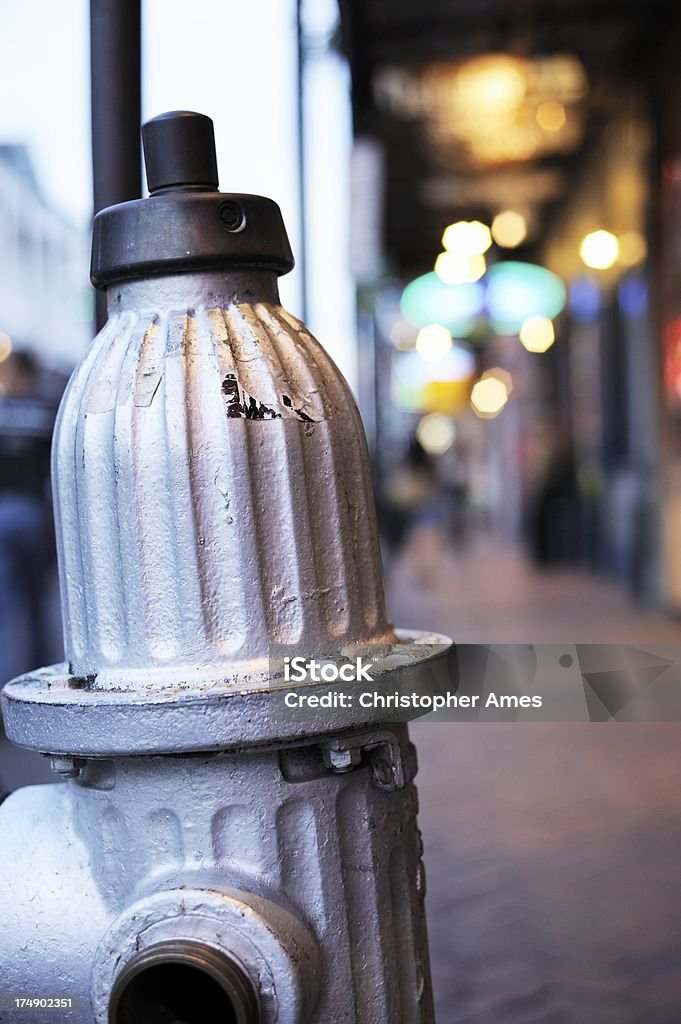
302, 243
115, 77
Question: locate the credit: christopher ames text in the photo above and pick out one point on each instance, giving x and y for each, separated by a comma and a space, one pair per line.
298, 699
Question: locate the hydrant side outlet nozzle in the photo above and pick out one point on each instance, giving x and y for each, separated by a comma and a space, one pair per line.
181, 977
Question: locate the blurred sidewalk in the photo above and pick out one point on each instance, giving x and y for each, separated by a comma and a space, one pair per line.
552, 857
489, 594
551, 850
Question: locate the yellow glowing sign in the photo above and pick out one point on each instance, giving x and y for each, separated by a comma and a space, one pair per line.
446, 396
494, 84
496, 107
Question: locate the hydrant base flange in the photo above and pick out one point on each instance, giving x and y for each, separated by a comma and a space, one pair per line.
52, 712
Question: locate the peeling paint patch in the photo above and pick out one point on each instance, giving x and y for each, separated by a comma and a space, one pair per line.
146, 387
299, 412
241, 405
102, 397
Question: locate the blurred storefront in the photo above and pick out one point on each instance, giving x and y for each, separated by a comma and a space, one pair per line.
521, 308
45, 301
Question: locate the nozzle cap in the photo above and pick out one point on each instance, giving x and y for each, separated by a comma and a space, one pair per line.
186, 224
179, 152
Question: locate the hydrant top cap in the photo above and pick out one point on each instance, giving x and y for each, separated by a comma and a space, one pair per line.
186, 224
179, 152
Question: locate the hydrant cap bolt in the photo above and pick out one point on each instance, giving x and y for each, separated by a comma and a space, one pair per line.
179, 152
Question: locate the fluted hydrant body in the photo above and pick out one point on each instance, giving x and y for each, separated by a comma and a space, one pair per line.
212, 855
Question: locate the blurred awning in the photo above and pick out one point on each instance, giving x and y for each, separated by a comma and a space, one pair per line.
489, 105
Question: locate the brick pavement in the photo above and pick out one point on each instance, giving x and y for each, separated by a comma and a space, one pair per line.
552, 851
552, 857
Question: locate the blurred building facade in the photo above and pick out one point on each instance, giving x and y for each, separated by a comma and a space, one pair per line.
556, 127
45, 300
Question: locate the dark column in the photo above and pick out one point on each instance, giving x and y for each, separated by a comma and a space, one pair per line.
115, 63
300, 84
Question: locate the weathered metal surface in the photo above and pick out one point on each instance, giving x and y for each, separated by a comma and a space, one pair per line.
212, 490
213, 502
53, 711
140, 849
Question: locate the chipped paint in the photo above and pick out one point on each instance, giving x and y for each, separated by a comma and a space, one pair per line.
241, 405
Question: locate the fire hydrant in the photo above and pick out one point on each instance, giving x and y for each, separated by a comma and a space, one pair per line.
212, 856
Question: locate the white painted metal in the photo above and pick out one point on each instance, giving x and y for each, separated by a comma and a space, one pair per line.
214, 500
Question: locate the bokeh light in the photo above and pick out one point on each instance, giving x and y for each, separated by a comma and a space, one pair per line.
433, 342
467, 237
403, 335
585, 299
517, 291
460, 268
551, 116
436, 433
633, 296
509, 229
427, 300
599, 250
488, 397
500, 374
633, 248
493, 86
537, 333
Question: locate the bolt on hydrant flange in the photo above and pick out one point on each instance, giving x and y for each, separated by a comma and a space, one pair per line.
67, 767
209, 849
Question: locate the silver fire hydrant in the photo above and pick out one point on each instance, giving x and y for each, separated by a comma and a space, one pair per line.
212, 856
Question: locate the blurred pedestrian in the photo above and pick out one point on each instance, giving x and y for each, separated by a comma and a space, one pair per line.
554, 512
452, 474
26, 532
